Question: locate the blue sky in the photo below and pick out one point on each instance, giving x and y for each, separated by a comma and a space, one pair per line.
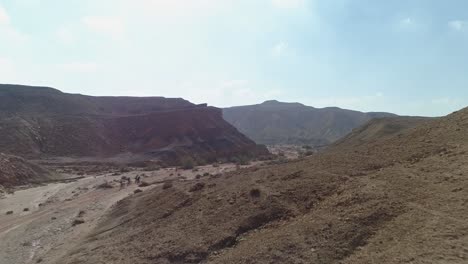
404, 56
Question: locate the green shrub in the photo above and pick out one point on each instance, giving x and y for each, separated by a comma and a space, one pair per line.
188, 164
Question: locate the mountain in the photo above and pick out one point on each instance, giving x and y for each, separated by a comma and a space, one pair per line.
44, 122
378, 129
274, 122
395, 191
17, 171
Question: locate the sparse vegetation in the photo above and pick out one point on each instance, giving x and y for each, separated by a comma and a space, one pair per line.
167, 185
197, 187
187, 163
152, 167
144, 184
255, 193
78, 222
124, 169
241, 160
105, 185
306, 154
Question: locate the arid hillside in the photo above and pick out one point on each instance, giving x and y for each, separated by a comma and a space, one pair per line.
17, 171
274, 122
379, 129
40, 122
401, 198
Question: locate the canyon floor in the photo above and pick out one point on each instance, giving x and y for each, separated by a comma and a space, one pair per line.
48, 220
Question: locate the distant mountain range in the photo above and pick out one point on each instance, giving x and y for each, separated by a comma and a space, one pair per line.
274, 122
44, 122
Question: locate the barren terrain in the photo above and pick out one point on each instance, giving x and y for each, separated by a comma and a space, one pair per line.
278, 123
397, 198
42, 225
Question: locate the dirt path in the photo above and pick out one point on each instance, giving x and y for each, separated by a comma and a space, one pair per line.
46, 230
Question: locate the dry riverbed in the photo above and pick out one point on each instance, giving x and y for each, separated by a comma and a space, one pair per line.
40, 224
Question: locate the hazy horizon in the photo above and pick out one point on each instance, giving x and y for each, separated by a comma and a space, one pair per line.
402, 57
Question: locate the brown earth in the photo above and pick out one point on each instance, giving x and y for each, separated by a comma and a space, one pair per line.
388, 197
61, 213
40, 122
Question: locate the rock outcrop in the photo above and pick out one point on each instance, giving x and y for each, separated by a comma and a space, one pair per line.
17, 171
38, 122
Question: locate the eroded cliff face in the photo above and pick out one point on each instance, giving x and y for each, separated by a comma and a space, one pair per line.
17, 171
44, 122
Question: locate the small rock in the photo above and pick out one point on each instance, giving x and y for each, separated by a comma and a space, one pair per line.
78, 222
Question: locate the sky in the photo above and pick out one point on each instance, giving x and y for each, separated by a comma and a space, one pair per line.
408, 57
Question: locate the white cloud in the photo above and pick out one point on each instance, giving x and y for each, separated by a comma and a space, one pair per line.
5, 64
234, 83
280, 48
408, 24
165, 5
10, 34
174, 10
79, 67
447, 101
106, 25
7, 31
288, 4
4, 18
407, 21
29, 3
65, 36
458, 25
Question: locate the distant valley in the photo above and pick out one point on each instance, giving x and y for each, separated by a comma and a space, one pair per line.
274, 123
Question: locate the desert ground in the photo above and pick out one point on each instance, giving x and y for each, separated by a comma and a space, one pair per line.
49, 220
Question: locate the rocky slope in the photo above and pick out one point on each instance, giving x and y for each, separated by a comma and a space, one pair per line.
274, 122
379, 129
44, 122
394, 199
17, 171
